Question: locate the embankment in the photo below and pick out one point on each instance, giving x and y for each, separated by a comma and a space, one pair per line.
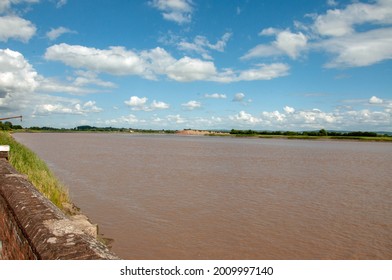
32, 227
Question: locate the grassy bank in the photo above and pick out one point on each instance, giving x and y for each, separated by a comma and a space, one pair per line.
27, 162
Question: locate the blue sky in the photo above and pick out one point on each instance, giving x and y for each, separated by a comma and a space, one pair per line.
174, 64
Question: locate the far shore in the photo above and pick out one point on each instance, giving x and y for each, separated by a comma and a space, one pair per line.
242, 134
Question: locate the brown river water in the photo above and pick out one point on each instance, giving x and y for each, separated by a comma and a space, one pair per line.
194, 197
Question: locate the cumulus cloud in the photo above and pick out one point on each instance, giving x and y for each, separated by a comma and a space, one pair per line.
289, 110
61, 108
115, 60
123, 120
16, 73
14, 27
140, 104
357, 35
137, 103
375, 46
5, 5
375, 100
215, 96
189, 69
332, 3
22, 88
303, 119
175, 119
159, 105
191, 105
90, 78
286, 43
264, 72
202, 46
246, 118
152, 63
239, 97
340, 37
179, 11
54, 33
340, 22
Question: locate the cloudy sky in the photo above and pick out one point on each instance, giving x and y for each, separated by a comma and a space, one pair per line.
174, 64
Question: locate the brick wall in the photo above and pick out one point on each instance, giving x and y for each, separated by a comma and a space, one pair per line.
31, 227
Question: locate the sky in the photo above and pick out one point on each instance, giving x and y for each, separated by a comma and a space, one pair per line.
175, 64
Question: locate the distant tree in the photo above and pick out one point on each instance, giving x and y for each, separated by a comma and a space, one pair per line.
323, 132
6, 126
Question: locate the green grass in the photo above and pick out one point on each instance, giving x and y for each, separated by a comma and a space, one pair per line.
27, 162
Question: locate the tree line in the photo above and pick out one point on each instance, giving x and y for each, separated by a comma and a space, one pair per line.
249, 132
321, 132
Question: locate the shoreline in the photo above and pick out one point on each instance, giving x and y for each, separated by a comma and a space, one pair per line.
56, 192
380, 138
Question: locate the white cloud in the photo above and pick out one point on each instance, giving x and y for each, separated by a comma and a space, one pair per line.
137, 103
276, 116
357, 35
246, 118
340, 22
159, 105
179, 11
359, 49
140, 104
375, 100
123, 120
332, 3
115, 60
264, 72
262, 51
189, 69
151, 63
54, 33
290, 43
16, 74
90, 78
14, 27
239, 97
5, 5
21, 85
215, 96
351, 47
23, 90
289, 110
61, 3
191, 105
175, 119
61, 108
52, 85
286, 43
202, 46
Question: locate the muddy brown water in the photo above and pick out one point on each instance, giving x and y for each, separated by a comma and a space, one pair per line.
187, 197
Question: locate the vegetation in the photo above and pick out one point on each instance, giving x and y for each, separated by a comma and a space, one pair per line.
27, 162
322, 133
9, 126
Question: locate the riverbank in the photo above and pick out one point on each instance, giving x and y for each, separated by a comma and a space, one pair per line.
378, 138
27, 162
300, 137
38, 173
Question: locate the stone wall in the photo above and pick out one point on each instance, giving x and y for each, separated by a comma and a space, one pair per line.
31, 227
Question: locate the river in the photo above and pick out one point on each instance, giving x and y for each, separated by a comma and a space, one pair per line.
195, 197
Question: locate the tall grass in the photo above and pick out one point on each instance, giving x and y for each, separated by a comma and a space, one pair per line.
27, 162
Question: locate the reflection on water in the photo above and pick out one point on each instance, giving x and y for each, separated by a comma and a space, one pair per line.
176, 197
